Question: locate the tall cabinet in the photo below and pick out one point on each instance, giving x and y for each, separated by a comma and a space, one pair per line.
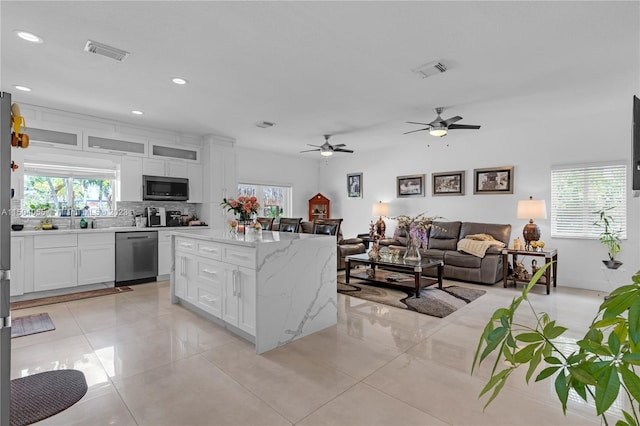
319, 207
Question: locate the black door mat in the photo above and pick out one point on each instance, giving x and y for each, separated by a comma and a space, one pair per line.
36, 397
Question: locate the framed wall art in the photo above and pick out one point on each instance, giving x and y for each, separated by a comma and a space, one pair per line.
448, 183
493, 180
354, 185
410, 186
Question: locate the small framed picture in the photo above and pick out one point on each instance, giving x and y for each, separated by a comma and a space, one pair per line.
410, 186
354, 185
493, 180
448, 183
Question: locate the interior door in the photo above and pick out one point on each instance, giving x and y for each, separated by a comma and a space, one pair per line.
5, 257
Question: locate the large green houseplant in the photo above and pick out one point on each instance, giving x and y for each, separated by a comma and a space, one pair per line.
602, 366
609, 236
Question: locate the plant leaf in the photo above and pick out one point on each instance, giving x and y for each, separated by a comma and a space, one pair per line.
607, 322
525, 354
580, 389
616, 305
535, 278
552, 360
529, 337
633, 358
631, 381
547, 372
629, 418
607, 389
581, 375
562, 390
535, 361
634, 321
614, 343
555, 332
494, 380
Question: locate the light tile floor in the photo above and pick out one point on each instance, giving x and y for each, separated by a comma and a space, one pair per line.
149, 362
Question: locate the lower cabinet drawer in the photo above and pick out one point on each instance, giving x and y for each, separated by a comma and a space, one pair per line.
209, 299
210, 272
241, 256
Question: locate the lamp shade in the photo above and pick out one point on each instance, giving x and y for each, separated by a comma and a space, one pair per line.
381, 209
532, 209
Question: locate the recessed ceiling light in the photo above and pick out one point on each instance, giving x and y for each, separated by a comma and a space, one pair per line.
178, 80
23, 88
136, 112
26, 35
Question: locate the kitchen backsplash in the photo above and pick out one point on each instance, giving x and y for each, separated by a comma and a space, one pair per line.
123, 218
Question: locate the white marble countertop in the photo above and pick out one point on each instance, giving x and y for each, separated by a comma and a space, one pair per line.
250, 240
25, 232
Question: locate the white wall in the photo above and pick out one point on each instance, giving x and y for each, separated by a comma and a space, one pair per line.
531, 141
263, 167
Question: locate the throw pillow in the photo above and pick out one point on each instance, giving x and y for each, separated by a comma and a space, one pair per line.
481, 237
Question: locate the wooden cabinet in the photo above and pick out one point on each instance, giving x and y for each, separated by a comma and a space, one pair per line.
114, 143
319, 207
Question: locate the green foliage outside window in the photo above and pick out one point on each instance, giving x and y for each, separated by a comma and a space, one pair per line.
67, 196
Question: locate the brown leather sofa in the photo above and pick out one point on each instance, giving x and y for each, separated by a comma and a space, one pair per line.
332, 227
442, 245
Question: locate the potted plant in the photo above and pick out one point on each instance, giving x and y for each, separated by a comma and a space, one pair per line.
602, 367
610, 237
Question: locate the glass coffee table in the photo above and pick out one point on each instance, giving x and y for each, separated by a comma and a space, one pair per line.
408, 267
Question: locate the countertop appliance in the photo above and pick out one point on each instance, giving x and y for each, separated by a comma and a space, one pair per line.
162, 188
136, 257
156, 216
174, 218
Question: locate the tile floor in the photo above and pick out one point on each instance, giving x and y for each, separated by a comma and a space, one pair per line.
148, 362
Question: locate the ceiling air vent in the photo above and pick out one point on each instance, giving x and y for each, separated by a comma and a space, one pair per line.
104, 50
432, 68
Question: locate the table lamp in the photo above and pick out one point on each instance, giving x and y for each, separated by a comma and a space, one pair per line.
380, 209
531, 209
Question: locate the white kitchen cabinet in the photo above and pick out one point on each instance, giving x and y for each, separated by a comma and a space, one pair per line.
186, 153
96, 258
54, 135
115, 143
156, 167
130, 179
17, 266
55, 268
164, 252
239, 306
194, 173
185, 268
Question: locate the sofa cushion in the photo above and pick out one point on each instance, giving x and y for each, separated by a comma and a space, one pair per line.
454, 258
444, 235
498, 231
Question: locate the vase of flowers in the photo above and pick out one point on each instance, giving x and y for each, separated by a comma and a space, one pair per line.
416, 230
243, 207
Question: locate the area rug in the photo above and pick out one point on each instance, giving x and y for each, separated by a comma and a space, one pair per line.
432, 301
23, 304
31, 324
36, 397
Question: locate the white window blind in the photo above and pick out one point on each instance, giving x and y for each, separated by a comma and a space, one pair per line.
577, 192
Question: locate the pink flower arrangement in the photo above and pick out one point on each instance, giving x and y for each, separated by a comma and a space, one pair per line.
244, 207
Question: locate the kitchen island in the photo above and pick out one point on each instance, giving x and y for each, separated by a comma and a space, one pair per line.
270, 288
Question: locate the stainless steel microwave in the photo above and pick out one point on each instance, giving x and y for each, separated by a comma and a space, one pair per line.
161, 188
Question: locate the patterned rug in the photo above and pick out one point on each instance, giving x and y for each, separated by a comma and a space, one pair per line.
432, 301
31, 324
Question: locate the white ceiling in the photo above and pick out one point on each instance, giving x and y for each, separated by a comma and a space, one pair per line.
342, 68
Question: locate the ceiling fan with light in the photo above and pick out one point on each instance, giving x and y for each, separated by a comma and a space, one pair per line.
326, 149
440, 127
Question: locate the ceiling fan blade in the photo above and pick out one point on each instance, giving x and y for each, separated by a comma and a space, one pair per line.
413, 122
339, 145
343, 150
317, 146
464, 126
413, 131
452, 120
309, 150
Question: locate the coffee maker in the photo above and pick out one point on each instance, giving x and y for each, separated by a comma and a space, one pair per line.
156, 216
174, 218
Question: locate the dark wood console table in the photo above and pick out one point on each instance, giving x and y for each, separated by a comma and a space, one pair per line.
551, 274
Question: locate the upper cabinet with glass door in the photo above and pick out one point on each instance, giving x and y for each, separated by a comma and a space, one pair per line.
54, 135
114, 143
162, 151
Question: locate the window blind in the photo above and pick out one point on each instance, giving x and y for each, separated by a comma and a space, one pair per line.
577, 192
63, 171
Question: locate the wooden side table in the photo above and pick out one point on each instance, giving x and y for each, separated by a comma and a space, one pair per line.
550, 255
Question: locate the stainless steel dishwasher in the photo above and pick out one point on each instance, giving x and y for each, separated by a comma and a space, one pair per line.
136, 257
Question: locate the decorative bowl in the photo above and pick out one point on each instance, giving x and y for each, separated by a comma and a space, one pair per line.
17, 227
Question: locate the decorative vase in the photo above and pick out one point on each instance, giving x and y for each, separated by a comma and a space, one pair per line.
412, 253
